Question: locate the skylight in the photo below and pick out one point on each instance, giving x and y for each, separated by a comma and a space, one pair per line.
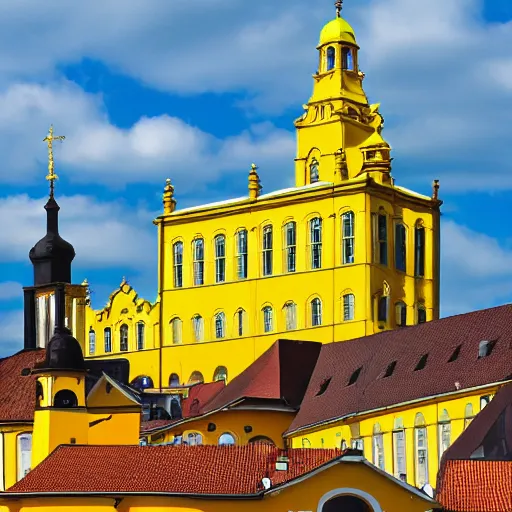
324, 386
421, 363
485, 348
390, 369
354, 376
455, 354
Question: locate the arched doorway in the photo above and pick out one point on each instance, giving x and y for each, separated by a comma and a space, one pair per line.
347, 504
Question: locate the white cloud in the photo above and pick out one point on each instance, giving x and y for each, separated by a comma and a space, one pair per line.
10, 290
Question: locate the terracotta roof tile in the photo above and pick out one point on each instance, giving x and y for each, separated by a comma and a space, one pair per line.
374, 354
148, 426
199, 395
168, 469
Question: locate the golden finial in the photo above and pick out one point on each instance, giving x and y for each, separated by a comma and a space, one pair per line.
435, 190
254, 182
49, 142
339, 5
168, 198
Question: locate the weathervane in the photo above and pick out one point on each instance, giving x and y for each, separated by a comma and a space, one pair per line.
51, 177
339, 5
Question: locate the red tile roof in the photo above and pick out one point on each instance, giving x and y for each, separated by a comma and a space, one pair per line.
18, 392
230, 470
406, 346
476, 486
199, 395
149, 426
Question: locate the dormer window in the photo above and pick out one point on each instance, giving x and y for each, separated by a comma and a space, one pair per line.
331, 58
485, 348
314, 175
348, 59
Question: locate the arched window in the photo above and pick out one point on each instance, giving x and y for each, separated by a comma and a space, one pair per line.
196, 378
383, 309
194, 439
178, 264
468, 415
399, 460
241, 256
306, 443
316, 312
123, 332
174, 380
142, 382
220, 325
314, 174
226, 439
400, 247
421, 451
92, 341
267, 251
290, 245
422, 314
347, 502
445, 432
315, 238
140, 335
378, 447
268, 320
331, 58
24, 442
290, 316
261, 440
401, 314
220, 258
380, 237
347, 59
198, 248
65, 399
176, 330
348, 307
241, 321
220, 373
107, 338
419, 251
198, 327
348, 237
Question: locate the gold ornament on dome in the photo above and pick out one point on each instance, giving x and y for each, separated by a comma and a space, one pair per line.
51, 177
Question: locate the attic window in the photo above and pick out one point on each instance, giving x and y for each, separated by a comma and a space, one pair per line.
455, 354
390, 369
324, 386
485, 348
421, 363
354, 376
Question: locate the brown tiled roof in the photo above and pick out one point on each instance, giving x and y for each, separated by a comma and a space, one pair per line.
476, 486
18, 392
199, 395
149, 426
230, 470
400, 351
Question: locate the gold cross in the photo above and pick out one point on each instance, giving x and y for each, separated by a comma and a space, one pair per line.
339, 5
51, 177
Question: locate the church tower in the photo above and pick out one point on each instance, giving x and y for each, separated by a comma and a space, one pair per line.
52, 300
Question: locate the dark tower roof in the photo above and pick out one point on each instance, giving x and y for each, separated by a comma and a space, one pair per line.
52, 255
63, 353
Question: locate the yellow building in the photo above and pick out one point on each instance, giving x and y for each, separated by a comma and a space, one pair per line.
344, 253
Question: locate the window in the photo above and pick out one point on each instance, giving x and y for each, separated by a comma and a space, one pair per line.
484, 400
198, 327
323, 386
444, 433
331, 58
92, 341
241, 258
313, 170
107, 338
401, 314
226, 439
421, 451
347, 59
290, 245
220, 373
400, 247
174, 380
220, 258
267, 251
378, 447
196, 378
123, 332
267, 319
316, 312
24, 454
290, 316
419, 251
485, 348
315, 234
383, 309
306, 443
220, 325
355, 376
422, 314
176, 330
178, 264
390, 369
347, 237
455, 354
468, 415
399, 460
240, 322
198, 262
194, 439
421, 363
357, 444
140, 335
348, 307
380, 229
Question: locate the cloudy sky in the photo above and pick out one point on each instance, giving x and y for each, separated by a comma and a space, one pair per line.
196, 91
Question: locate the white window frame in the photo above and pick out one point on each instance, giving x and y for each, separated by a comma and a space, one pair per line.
220, 325
267, 250
24, 455
176, 330
220, 258
178, 264
242, 257
268, 319
198, 253
348, 307
348, 238
290, 244
315, 240
316, 312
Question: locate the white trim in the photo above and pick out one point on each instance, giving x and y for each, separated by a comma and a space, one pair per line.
349, 491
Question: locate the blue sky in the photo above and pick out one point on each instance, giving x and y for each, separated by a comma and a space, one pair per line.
197, 91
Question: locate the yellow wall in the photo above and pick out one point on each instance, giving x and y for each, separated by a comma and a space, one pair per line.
9, 434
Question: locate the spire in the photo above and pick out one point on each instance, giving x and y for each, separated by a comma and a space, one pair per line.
339, 6
168, 198
254, 183
51, 177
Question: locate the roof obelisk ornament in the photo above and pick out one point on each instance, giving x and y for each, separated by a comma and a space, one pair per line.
51, 177
339, 5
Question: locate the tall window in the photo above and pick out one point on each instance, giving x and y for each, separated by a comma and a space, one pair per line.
198, 261
241, 257
267, 251
268, 321
290, 234
290, 316
468, 415
378, 447
314, 175
421, 451
107, 338
195, 378
422, 314
24, 454
419, 251
348, 237
123, 332
140, 335
315, 235
198, 327
240, 321
331, 58
220, 373
445, 431
174, 380
316, 312
399, 461
401, 314
400, 247
348, 307
92, 341
176, 330
382, 315
347, 59
380, 234
220, 325
220, 258
178, 264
